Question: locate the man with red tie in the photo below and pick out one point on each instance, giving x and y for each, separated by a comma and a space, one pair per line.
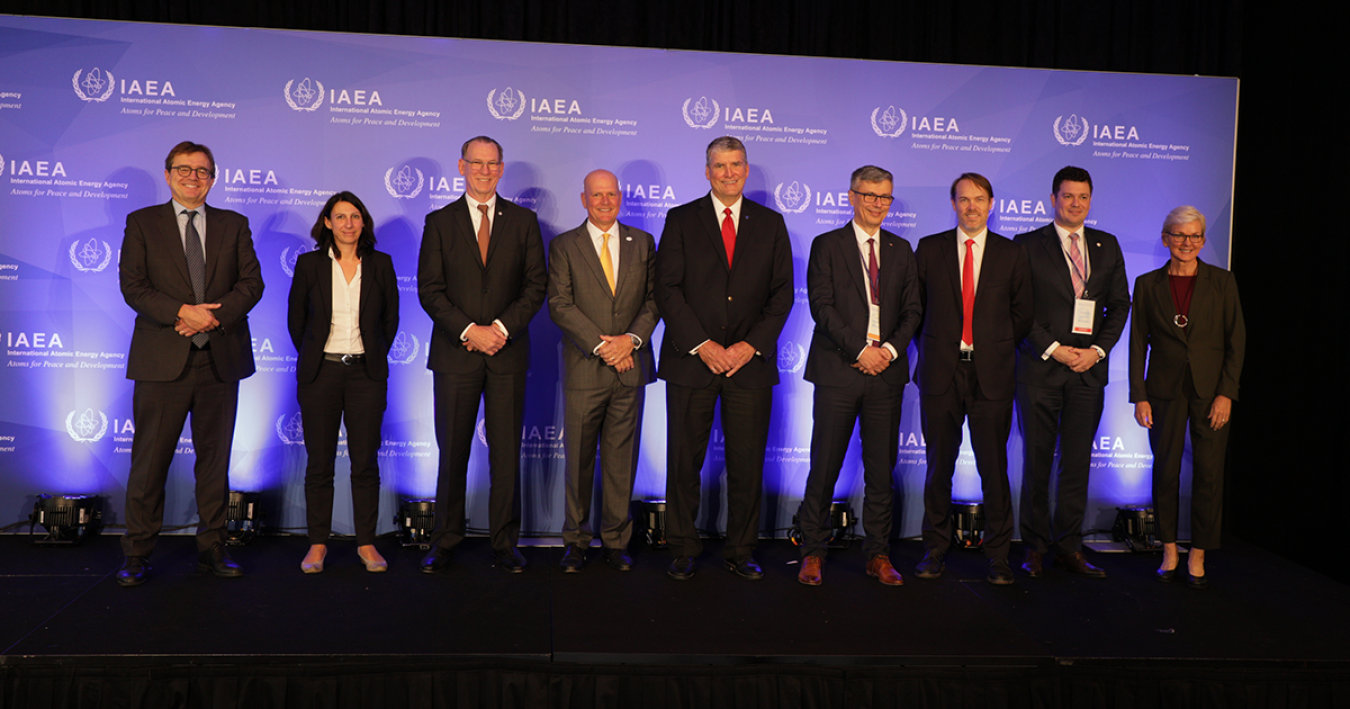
975, 287
724, 288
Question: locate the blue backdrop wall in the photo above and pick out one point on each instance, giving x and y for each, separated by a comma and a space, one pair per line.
88, 110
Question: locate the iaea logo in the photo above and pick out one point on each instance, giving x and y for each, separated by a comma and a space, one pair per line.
402, 185
288, 258
404, 348
703, 114
794, 199
481, 430
91, 257
791, 358
891, 123
94, 86
2, 165
88, 427
507, 105
1071, 131
306, 96
291, 431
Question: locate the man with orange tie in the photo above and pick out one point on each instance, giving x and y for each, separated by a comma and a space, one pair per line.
975, 287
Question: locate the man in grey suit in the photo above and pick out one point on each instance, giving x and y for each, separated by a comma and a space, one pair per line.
191, 275
600, 279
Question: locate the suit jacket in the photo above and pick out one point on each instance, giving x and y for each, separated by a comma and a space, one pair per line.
580, 302
457, 289
153, 273
1052, 287
1211, 346
702, 299
1002, 316
836, 285
310, 313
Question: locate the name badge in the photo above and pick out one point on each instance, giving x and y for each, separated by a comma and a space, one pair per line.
1083, 316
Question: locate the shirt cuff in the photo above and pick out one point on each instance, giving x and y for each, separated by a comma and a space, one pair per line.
1050, 350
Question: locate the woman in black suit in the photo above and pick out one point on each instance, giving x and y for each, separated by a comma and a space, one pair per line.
1187, 325
343, 316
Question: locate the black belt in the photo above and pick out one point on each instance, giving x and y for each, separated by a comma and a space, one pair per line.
347, 359
967, 356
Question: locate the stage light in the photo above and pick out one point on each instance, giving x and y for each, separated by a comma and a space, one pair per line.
1137, 528
243, 517
68, 519
649, 516
415, 520
967, 524
842, 521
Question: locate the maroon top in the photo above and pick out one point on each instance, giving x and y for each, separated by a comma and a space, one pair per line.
1183, 287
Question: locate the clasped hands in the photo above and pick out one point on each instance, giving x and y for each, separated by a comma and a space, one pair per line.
1078, 359
873, 360
487, 339
193, 319
617, 352
725, 360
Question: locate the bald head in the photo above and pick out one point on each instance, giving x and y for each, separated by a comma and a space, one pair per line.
601, 198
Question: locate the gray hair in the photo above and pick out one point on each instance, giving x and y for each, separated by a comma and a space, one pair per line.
725, 144
1184, 214
870, 173
464, 149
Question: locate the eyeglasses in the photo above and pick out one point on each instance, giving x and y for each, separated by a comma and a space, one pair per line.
869, 198
1181, 238
491, 165
202, 173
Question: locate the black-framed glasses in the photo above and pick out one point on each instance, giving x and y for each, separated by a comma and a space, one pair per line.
869, 198
202, 173
1193, 238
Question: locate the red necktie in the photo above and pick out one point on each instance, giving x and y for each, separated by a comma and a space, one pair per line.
728, 235
872, 272
968, 294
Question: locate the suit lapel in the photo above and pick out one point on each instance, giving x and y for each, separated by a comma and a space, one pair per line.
1162, 293
1054, 249
325, 280
586, 251
713, 226
953, 266
1097, 270
847, 244
215, 239
628, 259
464, 222
173, 243
497, 230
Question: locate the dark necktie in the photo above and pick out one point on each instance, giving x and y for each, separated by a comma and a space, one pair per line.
872, 272
196, 260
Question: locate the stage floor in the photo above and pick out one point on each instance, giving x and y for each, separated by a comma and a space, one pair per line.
64, 603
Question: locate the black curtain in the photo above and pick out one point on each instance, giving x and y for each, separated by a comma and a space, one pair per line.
1284, 486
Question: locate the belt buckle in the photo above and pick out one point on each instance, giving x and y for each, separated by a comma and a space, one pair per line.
346, 358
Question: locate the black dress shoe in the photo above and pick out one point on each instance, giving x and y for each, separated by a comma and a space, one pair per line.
1166, 575
133, 571
682, 568
1034, 566
1197, 581
745, 567
1079, 564
931, 567
218, 561
573, 559
511, 561
619, 559
437, 559
999, 573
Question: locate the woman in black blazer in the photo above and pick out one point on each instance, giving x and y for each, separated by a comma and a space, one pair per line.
1187, 325
343, 316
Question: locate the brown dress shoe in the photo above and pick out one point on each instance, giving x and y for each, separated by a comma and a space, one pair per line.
879, 567
1078, 564
1035, 564
810, 571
